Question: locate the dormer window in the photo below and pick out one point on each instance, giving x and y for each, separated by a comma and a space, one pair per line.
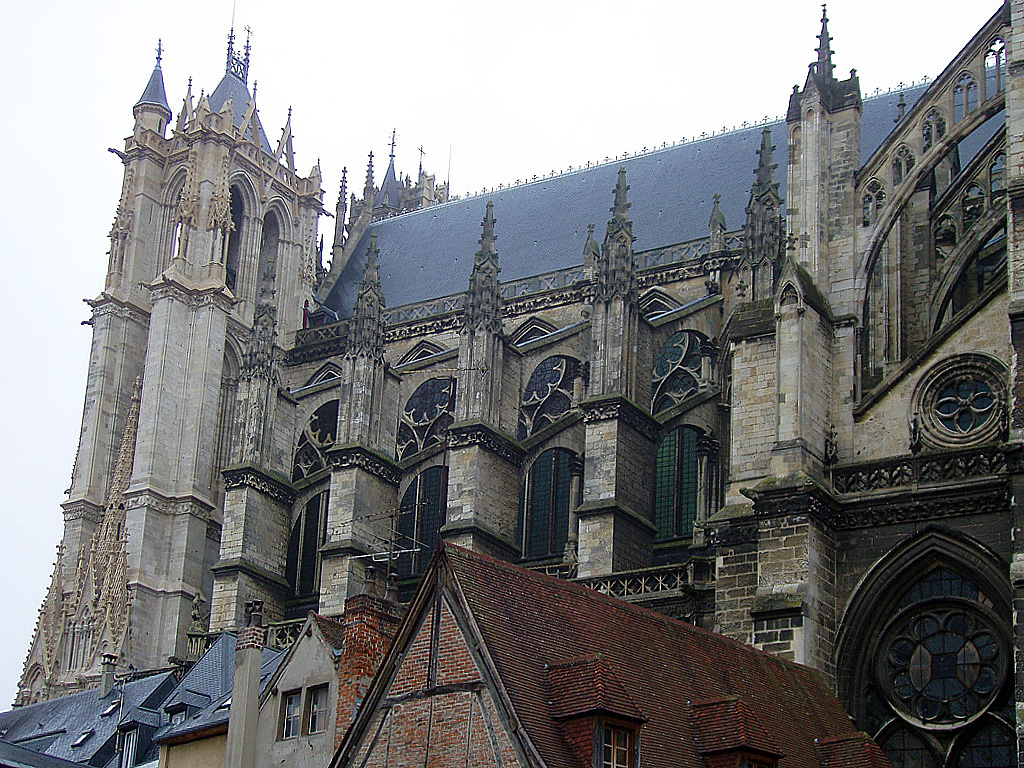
111, 708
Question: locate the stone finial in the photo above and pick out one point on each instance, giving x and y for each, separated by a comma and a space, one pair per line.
717, 226
368, 185
765, 171
616, 275
483, 299
367, 326
824, 49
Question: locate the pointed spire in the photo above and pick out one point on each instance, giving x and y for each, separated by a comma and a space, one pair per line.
617, 273
389, 197
285, 150
186, 109
368, 186
366, 336
483, 300
824, 49
339, 215
155, 95
765, 172
620, 210
487, 248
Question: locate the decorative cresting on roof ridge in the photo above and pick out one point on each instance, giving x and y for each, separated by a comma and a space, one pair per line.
483, 300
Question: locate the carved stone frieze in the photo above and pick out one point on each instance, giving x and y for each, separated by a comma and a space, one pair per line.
615, 407
358, 456
487, 437
912, 470
912, 508
252, 477
730, 533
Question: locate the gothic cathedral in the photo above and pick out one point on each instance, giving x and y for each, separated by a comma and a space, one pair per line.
790, 411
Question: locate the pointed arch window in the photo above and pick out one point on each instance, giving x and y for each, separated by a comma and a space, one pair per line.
421, 515
317, 437
267, 276
678, 369
546, 503
302, 569
997, 173
973, 205
995, 68
427, 416
902, 164
933, 130
872, 203
548, 394
234, 239
965, 97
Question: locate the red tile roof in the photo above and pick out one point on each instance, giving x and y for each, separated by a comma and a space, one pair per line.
530, 622
853, 751
725, 725
333, 631
588, 685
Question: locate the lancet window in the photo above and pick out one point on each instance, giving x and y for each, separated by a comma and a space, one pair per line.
548, 394
995, 68
933, 129
965, 97
421, 515
426, 417
234, 239
902, 164
546, 504
302, 570
872, 203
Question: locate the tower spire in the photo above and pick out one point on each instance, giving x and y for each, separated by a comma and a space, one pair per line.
155, 96
765, 172
368, 186
824, 49
483, 300
366, 336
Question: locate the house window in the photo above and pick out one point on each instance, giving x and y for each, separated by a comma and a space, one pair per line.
421, 515
131, 744
546, 504
318, 709
616, 748
291, 714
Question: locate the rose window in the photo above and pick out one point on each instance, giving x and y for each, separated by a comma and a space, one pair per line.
943, 666
965, 405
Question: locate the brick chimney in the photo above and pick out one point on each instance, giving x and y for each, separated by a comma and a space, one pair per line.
369, 624
240, 751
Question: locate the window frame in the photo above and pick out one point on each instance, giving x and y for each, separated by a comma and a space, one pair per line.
616, 727
311, 711
289, 716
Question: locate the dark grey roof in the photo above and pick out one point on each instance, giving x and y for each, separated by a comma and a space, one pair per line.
51, 727
155, 95
13, 756
542, 226
207, 686
231, 85
390, 195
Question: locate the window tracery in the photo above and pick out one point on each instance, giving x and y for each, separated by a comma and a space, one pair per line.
965, 97
960, 402
872, 202
995, 68
426, 417
933, 130
548, 394
902, 164
317, 437
997, 173
678, 369
302, 569
973, 205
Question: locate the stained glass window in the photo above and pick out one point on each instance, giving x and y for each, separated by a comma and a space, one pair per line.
547, 504
318, 435
905, 749
992, 746
676, 483
677, 370
426, 417
548, 394
421, 515
302, 569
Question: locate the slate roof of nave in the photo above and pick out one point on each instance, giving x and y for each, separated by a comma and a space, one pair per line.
542, 226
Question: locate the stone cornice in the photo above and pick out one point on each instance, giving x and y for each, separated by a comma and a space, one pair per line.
110, 304
267, 483
361, 457
487, 437
610, 507
174, 285
493, 539
236, 565
606, 407
82, 509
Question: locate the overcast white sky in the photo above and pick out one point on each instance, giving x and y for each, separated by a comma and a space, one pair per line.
513, 89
